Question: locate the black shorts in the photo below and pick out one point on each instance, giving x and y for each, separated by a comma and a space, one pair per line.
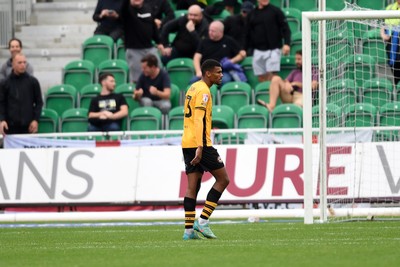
210, 160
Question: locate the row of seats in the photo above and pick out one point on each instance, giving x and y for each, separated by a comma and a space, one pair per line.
310, 5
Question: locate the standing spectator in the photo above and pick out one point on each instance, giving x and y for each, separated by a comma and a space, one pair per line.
161, 11
266, 27
190, 30
391, 36
20, 100
220, 48
235, 26
107, 110
15, 47
154, 86
289, 90
140, 31
107, 16
199, 154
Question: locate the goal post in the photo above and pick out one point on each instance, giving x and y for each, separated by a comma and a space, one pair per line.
317, 27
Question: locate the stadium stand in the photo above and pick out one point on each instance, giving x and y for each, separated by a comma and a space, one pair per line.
87, 93
287, 116
61, 98
74, 120
49, 121
97, 49
79, 73
235, 95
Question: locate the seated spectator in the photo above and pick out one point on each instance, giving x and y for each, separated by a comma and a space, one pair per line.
20, 100
289, 90
221, 48
15, 47
161, 11
190, 30
107, 110
154, 86
235, 26
107, 16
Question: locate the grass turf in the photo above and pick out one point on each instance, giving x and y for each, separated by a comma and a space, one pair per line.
353, 244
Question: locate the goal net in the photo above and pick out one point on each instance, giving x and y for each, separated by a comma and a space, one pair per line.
351, 123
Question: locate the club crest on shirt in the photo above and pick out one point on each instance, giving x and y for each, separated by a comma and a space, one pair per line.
205, 98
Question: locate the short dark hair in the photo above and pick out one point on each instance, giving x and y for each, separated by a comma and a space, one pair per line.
14, 39
104, 76
151, 60
209, 64
299, 52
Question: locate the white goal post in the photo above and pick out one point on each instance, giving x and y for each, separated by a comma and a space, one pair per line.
310, 196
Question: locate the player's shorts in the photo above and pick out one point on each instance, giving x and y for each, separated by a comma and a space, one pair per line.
210, 160
266, 61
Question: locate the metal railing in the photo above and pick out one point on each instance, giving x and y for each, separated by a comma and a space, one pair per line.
13, 13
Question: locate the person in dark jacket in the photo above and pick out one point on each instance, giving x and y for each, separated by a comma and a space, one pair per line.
161, 11
20, 100
189, 30
266, 27
140, 32
107, 15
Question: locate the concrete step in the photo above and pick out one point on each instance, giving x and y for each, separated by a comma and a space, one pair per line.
63, 30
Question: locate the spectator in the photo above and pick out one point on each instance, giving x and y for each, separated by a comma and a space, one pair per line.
289, 90
15, 47
391, 36
107, 16
139, 31
20, 100
220, 48
266, 27
107, 110
190, 30
154, 86
185, 4
161, 11
235, 26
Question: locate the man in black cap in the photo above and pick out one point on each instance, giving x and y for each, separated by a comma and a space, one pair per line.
235, 25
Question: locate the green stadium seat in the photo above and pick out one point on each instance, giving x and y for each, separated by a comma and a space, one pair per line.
88, 93
336, 5
287, 116
97, 49
278, 3
48, 121
223, 117
145, 119
287, 65
61, 98
377, 91
180, 71
375, 4
296, 43
389, 115
293, 17
303, 5
119, 52
372, 44
175, 118
339, 41
342, 92
252, 116
235, 95
78, 73
359, 68
126, 90
262, 92
360, 115
74, 120
119, 68
247, 66
333, 116
180, 13
175, 96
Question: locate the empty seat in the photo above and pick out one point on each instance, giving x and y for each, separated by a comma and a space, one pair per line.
373, 45
74, 120
180, 71
303, 5
119, 52
389, 115
97, 49
175, 96
126, 90
48, 121
333, 116
78, 73
235, 95
247, 66
288, 63
145, 119
293, 17
359, 68
341, 92
360, 115
175, 118
252, 116
287, 116
377, 91
61, 98
223, 117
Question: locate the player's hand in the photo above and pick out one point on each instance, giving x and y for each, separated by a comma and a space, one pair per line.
198, 156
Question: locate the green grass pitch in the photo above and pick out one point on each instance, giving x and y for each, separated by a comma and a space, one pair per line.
373, 243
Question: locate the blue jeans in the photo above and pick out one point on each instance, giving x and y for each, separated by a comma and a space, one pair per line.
108, 127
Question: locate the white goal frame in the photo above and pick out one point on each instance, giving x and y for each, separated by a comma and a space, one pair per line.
307, 18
